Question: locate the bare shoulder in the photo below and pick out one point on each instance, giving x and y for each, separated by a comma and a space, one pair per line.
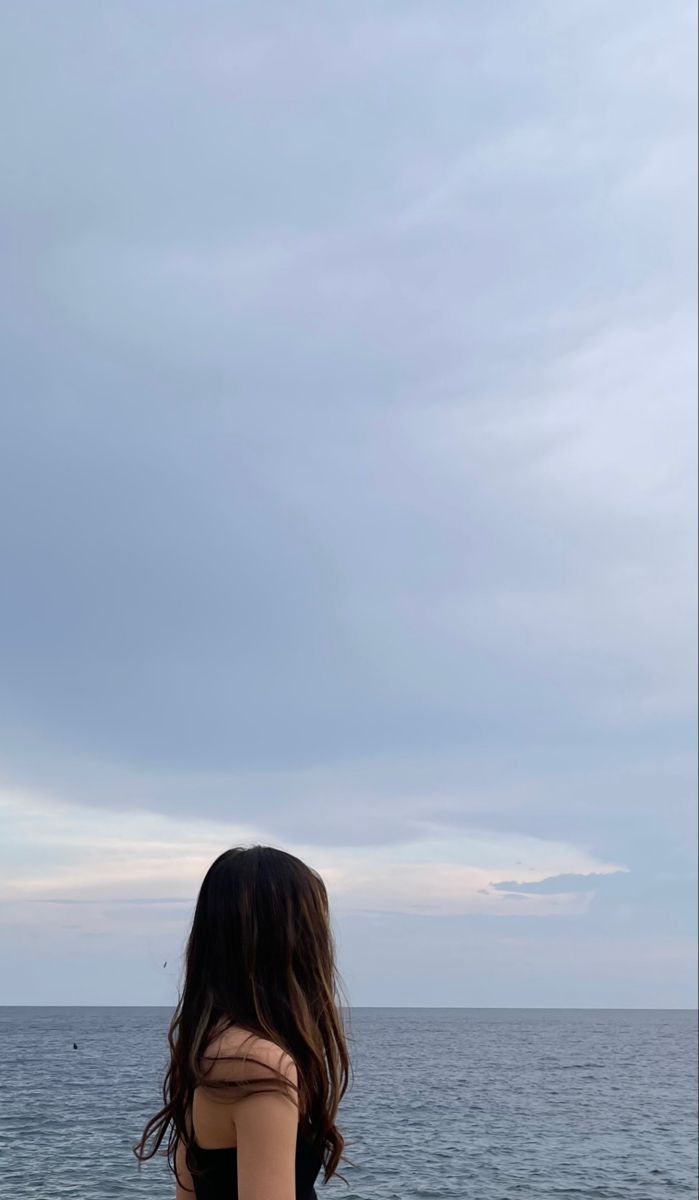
236, 1053
265, 1118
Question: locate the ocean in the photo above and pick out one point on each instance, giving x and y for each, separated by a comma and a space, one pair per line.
446, 1104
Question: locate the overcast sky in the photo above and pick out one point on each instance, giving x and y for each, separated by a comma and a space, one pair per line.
347, 477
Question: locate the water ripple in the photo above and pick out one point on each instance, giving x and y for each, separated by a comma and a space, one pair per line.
447, 1105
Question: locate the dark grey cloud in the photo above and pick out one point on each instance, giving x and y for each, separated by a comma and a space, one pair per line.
646, 901
555, 883
347, 421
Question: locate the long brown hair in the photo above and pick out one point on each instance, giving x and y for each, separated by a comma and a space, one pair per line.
261, 956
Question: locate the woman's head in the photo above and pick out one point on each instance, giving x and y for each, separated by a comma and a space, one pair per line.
260, 950
260, 955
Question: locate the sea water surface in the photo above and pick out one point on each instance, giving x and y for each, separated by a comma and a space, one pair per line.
447, 1104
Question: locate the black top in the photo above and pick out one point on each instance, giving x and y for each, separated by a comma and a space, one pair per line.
220, 1178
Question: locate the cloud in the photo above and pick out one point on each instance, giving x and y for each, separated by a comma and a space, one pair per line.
90, 858
553, 885
348, 457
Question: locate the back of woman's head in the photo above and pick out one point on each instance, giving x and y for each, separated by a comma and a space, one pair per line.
260, 956
260, 948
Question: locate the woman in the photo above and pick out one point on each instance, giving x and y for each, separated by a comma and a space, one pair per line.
258, 1056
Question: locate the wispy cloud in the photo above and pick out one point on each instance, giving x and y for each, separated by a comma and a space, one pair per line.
88, 857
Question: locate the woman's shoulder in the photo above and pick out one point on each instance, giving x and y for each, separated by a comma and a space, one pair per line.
234, 1050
